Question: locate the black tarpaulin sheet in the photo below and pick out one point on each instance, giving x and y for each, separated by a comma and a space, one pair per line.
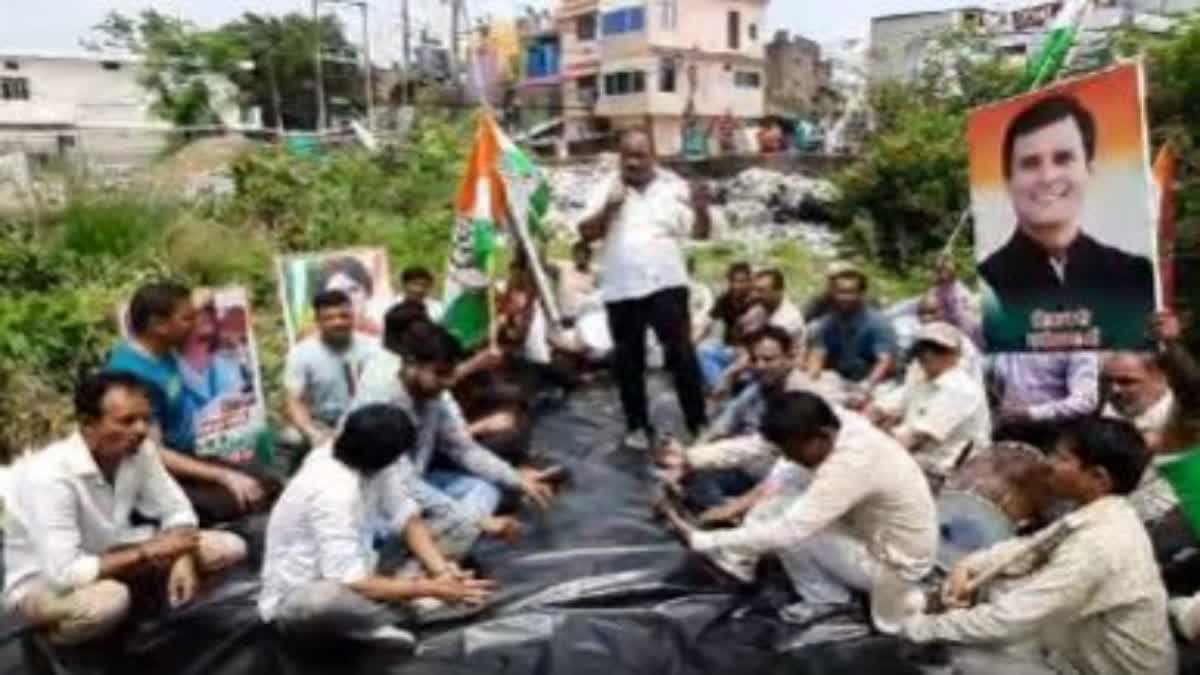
596, 587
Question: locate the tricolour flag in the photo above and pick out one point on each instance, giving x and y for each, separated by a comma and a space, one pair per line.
1050, 58
501, 187
1182, 473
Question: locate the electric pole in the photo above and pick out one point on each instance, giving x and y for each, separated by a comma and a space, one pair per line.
368, 66
322, 121
454, 81
405, 48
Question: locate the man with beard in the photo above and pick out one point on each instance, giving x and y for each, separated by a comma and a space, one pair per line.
1050, 263
853, 341
322, 370
716, 354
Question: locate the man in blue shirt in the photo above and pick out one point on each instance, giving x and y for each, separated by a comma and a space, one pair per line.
852, 340
161, 317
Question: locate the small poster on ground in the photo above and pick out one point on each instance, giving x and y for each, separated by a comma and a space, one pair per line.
363, 274
1065, 234
221, 378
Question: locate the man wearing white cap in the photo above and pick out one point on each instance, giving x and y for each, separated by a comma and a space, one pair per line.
941, 411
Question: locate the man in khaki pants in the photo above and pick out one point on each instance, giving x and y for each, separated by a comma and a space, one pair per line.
71, 549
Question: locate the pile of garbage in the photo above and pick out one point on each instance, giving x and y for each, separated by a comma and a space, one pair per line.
756, 207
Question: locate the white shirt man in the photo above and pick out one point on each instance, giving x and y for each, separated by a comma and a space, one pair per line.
319, 528
69, 542
867, 508
941, 411
319, 571
643, 214
641, 252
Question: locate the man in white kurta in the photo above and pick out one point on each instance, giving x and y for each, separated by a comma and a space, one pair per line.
941, 411
1094, 603
867, 509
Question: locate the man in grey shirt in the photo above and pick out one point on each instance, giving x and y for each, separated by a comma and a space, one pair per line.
322, 370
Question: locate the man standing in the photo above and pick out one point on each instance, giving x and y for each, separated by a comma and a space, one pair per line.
853, 341
320, 577
1050, 263
161, 317
1095, 604
643, 214
941, 411
71, 549
866, 514
322, 370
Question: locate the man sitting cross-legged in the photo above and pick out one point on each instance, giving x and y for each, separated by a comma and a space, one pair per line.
732, 457
320, 575
459, 501
941, 412
71, 549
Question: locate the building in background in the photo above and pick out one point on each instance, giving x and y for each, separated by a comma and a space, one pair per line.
649, 64
798, 79
539, 97
902, 43
87, 105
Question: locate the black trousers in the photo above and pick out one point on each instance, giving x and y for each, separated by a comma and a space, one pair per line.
666, 313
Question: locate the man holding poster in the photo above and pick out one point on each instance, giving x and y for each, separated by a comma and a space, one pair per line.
1054, 285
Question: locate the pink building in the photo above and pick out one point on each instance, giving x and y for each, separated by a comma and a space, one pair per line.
650, 63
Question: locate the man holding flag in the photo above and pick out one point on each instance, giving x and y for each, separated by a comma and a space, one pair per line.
643, 214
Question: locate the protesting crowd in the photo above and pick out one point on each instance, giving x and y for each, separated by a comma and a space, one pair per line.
1014, 504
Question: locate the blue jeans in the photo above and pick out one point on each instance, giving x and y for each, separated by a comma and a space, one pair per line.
715, 358
474, 495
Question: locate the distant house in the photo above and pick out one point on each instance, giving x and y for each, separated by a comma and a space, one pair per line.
85, 106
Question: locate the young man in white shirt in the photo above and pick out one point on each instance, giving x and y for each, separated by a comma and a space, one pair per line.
643, 214
320, 571
322, 370
866, 514
1094, 603
71, 551
941, 412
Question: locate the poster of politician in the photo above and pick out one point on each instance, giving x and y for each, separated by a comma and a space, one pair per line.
1065, 235
220, 379
361, 273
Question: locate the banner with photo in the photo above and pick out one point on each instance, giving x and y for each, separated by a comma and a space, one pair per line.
362, 273
1065, 232
221, 378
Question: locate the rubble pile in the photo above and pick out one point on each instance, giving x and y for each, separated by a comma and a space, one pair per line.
754, 207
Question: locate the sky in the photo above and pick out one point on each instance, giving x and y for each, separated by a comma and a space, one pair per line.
58, 25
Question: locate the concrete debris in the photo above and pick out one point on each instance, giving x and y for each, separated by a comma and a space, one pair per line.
755, 207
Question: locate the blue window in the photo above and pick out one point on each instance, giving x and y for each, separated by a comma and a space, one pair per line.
542, 59
627, 20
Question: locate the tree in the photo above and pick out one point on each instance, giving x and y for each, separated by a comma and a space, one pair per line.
908, 189
268, 58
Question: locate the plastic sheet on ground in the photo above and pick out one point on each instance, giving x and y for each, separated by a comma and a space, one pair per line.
597, 587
